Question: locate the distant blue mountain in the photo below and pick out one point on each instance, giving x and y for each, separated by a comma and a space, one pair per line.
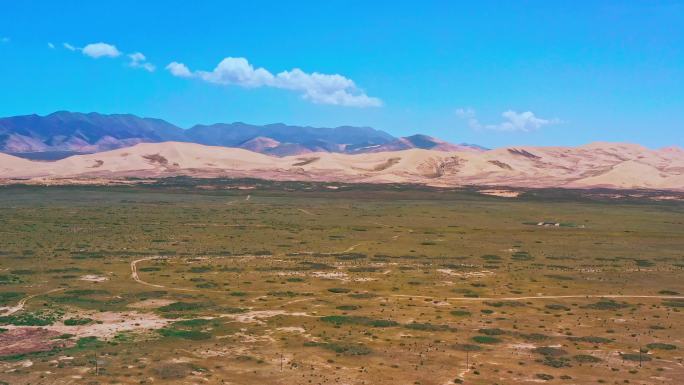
66, 133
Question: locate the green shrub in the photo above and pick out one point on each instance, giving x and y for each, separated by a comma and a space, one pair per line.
339, 290
559, 277
555, 306
348, 307
231, 310
556, 362
607, 305
193, 323
77, 321
10, 296
674, 303
534, 337
357, 320
184, 306
363, 295
590, 339
486, 340
549, 351
661, 346
521, 256
350, 256
366, 269
194, 335
586, 358
22, 272
89, 343
635, 357
6, 279
491, 257
36, 318
428, 327
200, 269
346, 349
668, 292
86, 292
643, 263
149, 269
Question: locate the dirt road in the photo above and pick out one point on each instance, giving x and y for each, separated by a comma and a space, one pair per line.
20, 305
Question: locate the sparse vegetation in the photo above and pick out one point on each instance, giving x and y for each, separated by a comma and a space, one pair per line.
370, 288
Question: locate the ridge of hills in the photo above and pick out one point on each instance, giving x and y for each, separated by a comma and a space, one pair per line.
64, 133
609, 165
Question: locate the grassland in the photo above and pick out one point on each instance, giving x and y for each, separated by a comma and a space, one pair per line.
256, 283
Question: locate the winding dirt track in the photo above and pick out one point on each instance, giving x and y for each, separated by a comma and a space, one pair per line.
134, 272
134, 275
136, 278
20, 305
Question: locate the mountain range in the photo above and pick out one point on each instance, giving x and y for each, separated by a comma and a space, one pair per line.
67, 145
606, 165
64, 133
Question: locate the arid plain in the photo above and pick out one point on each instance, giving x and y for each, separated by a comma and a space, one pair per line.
250, 282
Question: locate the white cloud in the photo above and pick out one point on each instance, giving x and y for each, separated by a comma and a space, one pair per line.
237, 71
318, 88
513, 121
179, 69
468, 114
50, 45
98, 50
138, 60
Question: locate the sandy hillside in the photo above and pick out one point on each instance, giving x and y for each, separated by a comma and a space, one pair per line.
614, 165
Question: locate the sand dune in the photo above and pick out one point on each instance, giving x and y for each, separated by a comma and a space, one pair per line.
613, 165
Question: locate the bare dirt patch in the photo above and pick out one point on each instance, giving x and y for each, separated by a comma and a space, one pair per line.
108, 324
469, 274
256, 315
330, 275
104, 325
500, 193
150, 303
93, 278
29, 340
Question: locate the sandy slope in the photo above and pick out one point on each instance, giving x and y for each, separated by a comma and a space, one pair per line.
614, 165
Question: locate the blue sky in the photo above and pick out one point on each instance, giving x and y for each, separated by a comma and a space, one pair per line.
492, 73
